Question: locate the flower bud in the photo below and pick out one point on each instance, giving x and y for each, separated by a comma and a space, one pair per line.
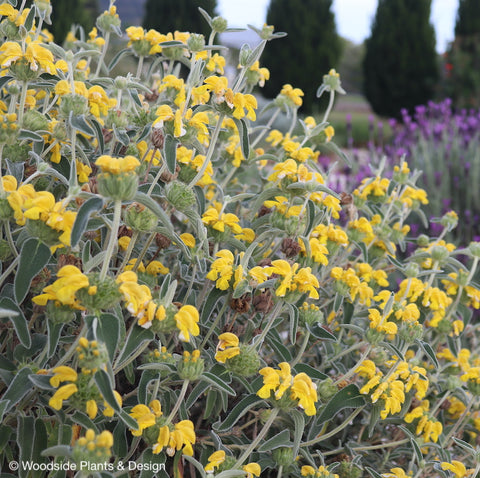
109, 21
310, 314
93, 448
245, 53
411, 332
246, 363
423, 240
449, 220
92, 355
167, 324
59, 314
412, 270
43, 7
219, 24
347, 469
21, 70
267, 32
453, 382
374, 336
474, 249
73, 103
33, 120
196, 42
332, 82
180, 195
100, 294
140, 218
121, 186
326, 389
439, 253
283, 456
17, 153
191, 366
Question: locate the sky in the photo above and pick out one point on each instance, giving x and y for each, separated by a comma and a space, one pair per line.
353, 17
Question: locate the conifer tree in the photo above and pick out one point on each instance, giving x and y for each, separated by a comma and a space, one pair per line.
400, 64
311, 48
182, 15
462, 66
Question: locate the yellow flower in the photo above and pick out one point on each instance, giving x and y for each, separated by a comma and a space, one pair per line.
182, 437
117, 165
211, 217
305, 391
214, 461
36, 55
63, 374
227, 347
221, 269
293, 94
252, 469
187, 322
457, 468
396, 473
70, 280
63, 393
92, 409
144, 417
188, 239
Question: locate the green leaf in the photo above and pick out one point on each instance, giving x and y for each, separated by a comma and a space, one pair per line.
209, 305
54, 331
84, 420
34, 256
58, 450
134, 345
240, 409
218, 383
243, 133
121, 135
38, 445
280, 349
108, 331
321, 332
28, 23
3, 407
337, 303
299, 422
80, 124
279, 440
99, 134
429, 351
29, 136
312, 372
18, 320
373, 473
118, 57
293, 312
147, 201
18, 388
170, 152
348, 397
89, 207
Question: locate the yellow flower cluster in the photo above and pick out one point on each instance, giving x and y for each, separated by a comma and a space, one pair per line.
300, 387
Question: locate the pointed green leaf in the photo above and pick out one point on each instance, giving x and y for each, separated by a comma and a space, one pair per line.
18, 388
34, 256
321, 332
218, 383
134, 345
243, 133
279, 440
29, 136
240, 409
209, 305
18, 320
427, 348
170, 152
348, 397
89, 207
108, 331
80, 124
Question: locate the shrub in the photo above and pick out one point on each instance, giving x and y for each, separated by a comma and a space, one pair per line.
177, 300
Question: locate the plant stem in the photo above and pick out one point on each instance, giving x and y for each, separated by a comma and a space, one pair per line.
117, 209
330, 106
301, 350
128, 252
102, 56
273, 315
215, 323
23, 98
211, 148
179, 401
258, 438
335, 430
144, 251
352, 370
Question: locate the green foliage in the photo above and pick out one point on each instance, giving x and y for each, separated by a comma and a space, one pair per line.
311, 48
182, 15
462, 67
400, 61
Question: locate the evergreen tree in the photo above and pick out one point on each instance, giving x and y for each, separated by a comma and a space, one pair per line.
462, 67
65, 13
310, 50
400, 65
182, 15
